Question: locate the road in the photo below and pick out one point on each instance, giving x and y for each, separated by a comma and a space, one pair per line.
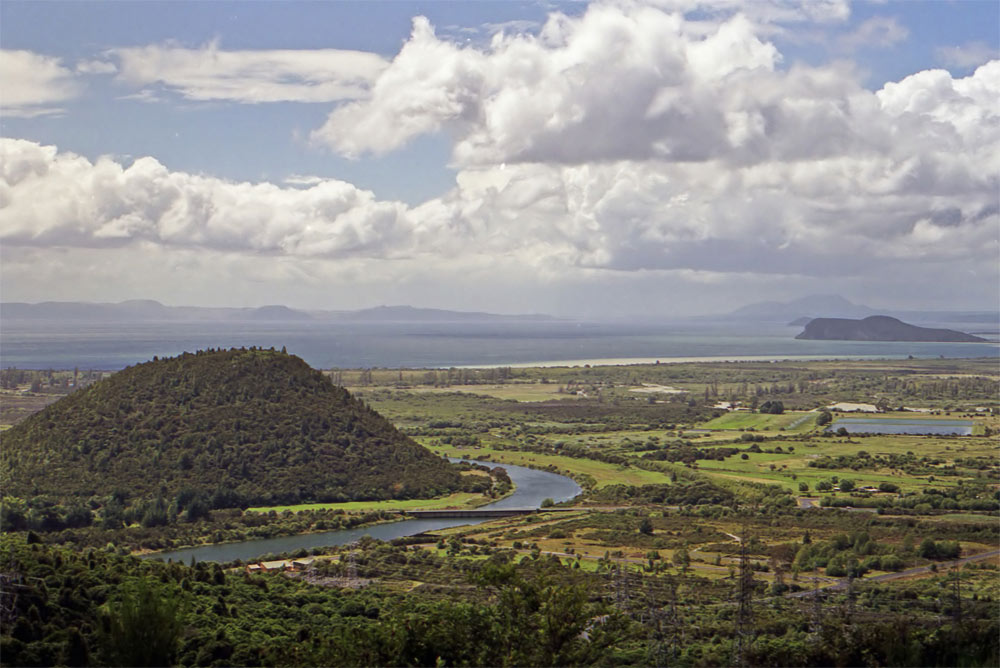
909, 572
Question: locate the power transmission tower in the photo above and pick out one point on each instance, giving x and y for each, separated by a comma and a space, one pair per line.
657, 619
851, 596
351, 580
622, 598
817, 608
957, 586
744, 609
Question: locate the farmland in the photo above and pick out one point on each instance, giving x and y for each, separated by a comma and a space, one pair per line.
714, 483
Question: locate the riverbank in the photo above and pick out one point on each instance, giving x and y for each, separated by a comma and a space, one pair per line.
532, 487
397, 517
317, 517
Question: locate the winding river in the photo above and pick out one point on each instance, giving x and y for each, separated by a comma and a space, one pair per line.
533, 487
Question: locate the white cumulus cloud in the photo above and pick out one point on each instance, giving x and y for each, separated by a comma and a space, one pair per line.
34, 84
967, 55
627, 82
249, 76
57, 199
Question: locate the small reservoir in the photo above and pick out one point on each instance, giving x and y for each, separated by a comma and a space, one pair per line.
917, 426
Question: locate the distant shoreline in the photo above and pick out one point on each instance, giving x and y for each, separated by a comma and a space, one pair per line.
626, 361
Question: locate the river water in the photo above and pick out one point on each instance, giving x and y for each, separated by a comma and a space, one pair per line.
533, 487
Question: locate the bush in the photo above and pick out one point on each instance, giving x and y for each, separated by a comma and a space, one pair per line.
836, 568
890, 562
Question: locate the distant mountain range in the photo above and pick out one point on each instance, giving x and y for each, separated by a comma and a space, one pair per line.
879, 328
153, 311
813, 306
800, 311
411, 314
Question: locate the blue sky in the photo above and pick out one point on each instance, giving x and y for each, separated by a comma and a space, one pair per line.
511, 156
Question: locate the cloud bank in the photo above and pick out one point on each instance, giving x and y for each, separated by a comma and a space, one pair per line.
624, 147
61, 199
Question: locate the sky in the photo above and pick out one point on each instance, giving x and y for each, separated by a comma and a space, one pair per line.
665, 158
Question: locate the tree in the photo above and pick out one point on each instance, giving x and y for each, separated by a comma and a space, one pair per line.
681, 558
144, 626
846, 485
75, 652
646, 527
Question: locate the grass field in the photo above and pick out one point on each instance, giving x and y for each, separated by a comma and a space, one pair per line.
457, 500
603, 473
757, 469
757, 466
527, 392
970, 518
762, 422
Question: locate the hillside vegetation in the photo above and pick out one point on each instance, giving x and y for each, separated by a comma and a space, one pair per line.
217, 429
880, 328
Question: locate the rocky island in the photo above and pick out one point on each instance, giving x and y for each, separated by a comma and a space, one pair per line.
880, 328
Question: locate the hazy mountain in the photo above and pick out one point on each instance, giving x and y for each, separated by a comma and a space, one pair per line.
880, 328
148, 310
127, 311
799, 311
411, 314
279, 313
813, 306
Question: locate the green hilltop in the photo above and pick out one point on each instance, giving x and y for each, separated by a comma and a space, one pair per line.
229, 427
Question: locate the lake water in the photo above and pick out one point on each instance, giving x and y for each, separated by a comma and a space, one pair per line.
903, 426
533, 487
112, 346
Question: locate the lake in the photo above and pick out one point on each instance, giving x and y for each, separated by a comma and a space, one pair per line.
533, 487
111, 346
903, 426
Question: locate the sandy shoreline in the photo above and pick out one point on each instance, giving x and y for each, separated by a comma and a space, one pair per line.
625, 361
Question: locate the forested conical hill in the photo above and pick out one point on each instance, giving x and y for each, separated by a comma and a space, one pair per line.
237, 426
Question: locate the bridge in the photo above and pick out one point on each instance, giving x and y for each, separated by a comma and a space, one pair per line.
486, 512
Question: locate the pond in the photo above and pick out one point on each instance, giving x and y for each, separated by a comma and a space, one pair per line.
868, 425
533, 487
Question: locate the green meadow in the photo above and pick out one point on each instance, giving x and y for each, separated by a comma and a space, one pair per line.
603, 473
457, 500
